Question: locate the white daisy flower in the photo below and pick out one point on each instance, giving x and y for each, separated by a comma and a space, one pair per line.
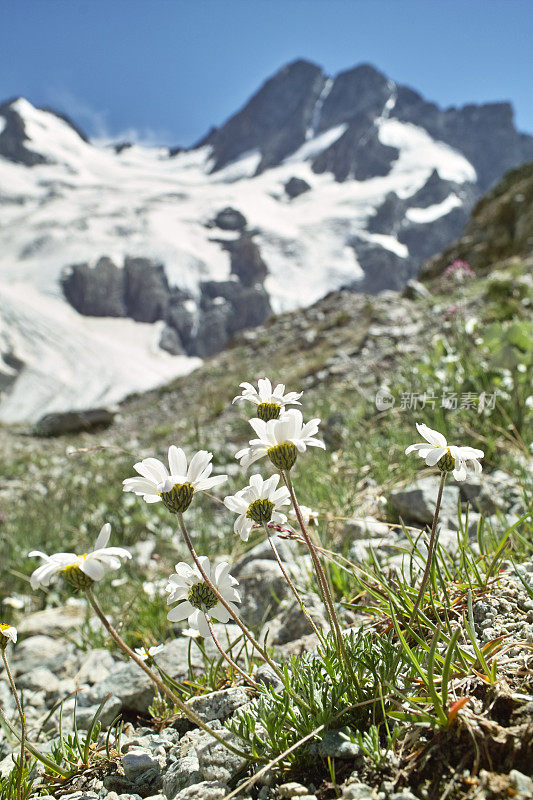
281, 439
177, 487
7, 634
258, 502
310, 517
79, 570
449, 458
270, 402
190, 633
144, 653
196, 600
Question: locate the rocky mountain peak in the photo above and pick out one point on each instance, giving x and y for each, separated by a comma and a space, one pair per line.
360, 90
274, 120
13, 136
28, 134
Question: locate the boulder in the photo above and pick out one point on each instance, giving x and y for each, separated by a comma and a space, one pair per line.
366, 528
229, 219
57, 424
219, 705
96, 291
416, 502
246, 261
296, 186
181, 315
170, 341
261, 586
291, 624
146, 290
53, 621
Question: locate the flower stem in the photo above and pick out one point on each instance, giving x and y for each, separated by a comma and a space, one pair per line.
156, 679
322, 580
22, 724
431, 549
262, 652
291, 584
228, 658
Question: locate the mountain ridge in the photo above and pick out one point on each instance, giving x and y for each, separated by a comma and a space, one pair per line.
332, 182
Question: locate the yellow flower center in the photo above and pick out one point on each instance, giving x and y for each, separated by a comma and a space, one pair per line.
179, 498
446, 463
75, 577
4, 639
201, 596
267, 411
260, 511
283, 456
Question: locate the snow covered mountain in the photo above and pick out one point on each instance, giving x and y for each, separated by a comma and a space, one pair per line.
119, 267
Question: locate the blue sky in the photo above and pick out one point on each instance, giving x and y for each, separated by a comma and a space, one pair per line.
166, 70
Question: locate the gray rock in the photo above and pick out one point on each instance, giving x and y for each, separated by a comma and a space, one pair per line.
288, 550
183, 772
229, 219
383, 269
266, 675
137, 761
219, 705
216, 762
246, 261
296, 186
416, 502
357, 790
335, 744
334, 430
96, 291
42, 651
291, 789
13, 138
59, 423
173, 659
85, 714
388, 216
213, 324
39, 679
366, 528
146, 290
232, 307
205, 790
262, 586
54, 621
170, 341
95, 666
181, 315
414, 290
358, 153
291, 624
129, 684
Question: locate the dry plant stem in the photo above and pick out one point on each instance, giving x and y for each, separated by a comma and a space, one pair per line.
155, 678
230, 661
328, 600
22, 724
431, 549
290, 582
262, 652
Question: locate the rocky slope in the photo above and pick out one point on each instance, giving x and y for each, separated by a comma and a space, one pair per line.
350, 352
501, 227
318, 182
